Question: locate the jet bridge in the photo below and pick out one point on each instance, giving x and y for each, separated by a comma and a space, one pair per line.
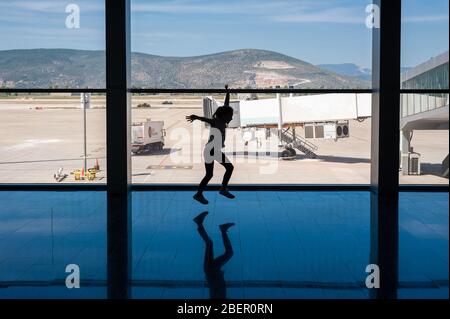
327, 115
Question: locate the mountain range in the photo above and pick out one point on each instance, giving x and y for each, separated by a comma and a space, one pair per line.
349, 69
246, 68
353, 70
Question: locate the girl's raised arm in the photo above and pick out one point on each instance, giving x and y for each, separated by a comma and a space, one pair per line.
192, 118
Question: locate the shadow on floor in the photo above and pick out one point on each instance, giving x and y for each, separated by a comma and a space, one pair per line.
164, 151
432, 169
323, 158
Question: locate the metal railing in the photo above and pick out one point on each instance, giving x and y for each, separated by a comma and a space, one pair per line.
297, 138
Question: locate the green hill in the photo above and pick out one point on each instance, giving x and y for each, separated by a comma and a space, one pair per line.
247, 68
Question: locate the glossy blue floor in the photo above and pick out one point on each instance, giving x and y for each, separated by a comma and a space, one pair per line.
283, 244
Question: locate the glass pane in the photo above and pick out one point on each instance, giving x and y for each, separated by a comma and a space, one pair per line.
424, 46
325, 138
46, 138
52, 44
424, 139
51, 237
423, 246
424, 117
250, 44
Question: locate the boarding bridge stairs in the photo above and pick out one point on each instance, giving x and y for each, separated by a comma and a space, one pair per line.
289, 137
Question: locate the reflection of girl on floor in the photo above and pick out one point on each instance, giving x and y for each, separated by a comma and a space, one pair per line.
213, 266
213, 149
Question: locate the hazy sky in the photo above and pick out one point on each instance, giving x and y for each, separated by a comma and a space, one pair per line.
316, 31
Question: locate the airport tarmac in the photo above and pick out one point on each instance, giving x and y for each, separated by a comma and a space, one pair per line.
40, 136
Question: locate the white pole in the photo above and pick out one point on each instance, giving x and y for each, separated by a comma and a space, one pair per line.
280, 118
84, 101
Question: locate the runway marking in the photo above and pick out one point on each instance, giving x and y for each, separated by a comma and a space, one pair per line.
30, 143
169, 167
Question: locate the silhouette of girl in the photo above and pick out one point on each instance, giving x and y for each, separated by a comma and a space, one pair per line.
213, 149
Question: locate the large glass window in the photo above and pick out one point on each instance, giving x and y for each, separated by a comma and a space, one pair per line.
284, 139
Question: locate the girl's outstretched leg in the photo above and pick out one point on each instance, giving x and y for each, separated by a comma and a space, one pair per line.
226, 177
209, 168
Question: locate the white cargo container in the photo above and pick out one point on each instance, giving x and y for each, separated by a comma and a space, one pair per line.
147, 136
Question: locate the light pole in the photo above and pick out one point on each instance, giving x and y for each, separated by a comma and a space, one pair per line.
85, 103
